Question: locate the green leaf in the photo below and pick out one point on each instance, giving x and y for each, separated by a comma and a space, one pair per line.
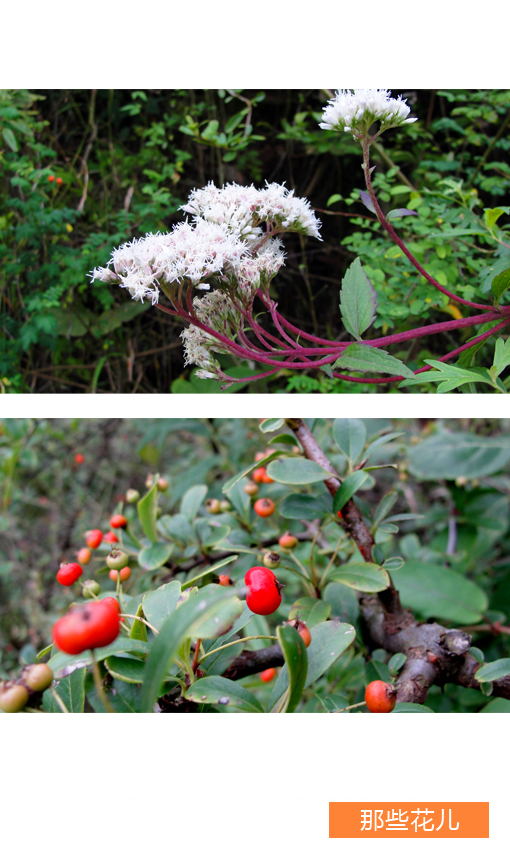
399, 213
396, 663
284, 438
126, 669
411, 708
491, 216
393, 564
311, 611
438, 592
214, 690
501, 356
71, 691
235, 478
500, 284
302, 506
348, 488
271, 425
493, 670
361, 357
154, 556
386, 438
192, 500
10, 139
350, 435
449, 455
297, 471
358, 300
63, 664
452, 377
364, 575
191, 619
384, 507
147, 512
211, 569
178, 527
160, 603
496, 706
329, 641
124, 698
138, 629
296, 666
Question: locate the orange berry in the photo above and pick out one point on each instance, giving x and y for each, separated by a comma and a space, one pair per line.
258, 474
225, 580
288, 541
83, 556
268, 674
124, 574
264, 507
380, 697
79, 458
59, 181
51, 178
266, 479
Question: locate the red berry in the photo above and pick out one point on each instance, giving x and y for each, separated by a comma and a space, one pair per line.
264, 595
79, 458
258, 474
288, 541
59, 181
125, 573
110, 537
305, 633
339, 514
225, 580
264, 507
112, 602
83, 556
380, 697
118, 521
93, 538
68, 574
268, 674
88, 626
51, 178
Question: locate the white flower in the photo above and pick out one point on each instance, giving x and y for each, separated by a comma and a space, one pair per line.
355, 111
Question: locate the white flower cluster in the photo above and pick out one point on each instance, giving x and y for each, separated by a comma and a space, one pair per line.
354, 111
225, 238
244, 208
217, 312
187, 253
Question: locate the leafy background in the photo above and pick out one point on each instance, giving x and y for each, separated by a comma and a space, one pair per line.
128, 159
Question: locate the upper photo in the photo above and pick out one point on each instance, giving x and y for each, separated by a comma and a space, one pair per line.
254, 241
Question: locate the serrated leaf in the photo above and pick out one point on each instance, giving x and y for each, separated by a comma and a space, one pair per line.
365, 358
350, 435
348, 488
215, 690
500, 284
363, 575
358, 300
493, 670
297, 471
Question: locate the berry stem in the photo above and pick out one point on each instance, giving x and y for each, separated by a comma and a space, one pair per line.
141, 620
233, 643
348, 708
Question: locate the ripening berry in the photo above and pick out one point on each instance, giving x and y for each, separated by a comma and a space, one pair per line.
132, 496
251, 488
259, 456
79, 458
258, 474
266, 479
288, 541
225, 580
93, 538
268, 674
13, 698
118, 521
87, 626
91, 589
149, 481
124, 574
111, 537
264, 595
37, 677
264, 507
68, 574
83, 556
59, 181
162, 484
116, 560
380, 697
51, 178
225, 505
271, 559
305, 633
213, 506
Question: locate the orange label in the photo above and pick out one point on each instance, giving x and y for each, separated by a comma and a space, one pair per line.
409, 820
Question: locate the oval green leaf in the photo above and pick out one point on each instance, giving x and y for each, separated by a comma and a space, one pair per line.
364, 576
297, 471
214, 690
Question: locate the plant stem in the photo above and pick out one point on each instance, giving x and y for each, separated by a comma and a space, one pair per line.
59, 701
232, 643
99, 685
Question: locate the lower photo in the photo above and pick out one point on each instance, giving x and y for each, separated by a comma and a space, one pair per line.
254, 565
